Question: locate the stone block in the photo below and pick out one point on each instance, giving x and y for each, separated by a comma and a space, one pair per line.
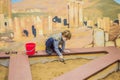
99, 38
109, 43
117, 42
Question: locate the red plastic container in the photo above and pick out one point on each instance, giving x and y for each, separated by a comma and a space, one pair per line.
30, 48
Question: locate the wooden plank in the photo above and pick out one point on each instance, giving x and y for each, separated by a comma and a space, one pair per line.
91, 68
77, 51
3, 55
19, 68
72, 51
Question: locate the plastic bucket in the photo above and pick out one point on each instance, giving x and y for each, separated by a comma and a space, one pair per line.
30, 48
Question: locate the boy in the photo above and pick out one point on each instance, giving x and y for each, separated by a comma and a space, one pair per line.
56, 43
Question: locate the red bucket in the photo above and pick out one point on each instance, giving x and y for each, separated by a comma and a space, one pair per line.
30, 48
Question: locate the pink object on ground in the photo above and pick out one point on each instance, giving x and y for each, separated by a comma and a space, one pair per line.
19, 68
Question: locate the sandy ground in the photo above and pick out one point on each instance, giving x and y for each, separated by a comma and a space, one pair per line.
113, 76
3, 73
50, 70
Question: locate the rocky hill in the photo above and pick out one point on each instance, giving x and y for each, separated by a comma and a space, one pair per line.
49, 6
92, 8
100, 8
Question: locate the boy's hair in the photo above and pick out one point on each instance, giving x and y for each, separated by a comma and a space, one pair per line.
116, 21
67, 34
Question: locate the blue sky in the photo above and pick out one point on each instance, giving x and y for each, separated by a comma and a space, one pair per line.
14, 1
118, 1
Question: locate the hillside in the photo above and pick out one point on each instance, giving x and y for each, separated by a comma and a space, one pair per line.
52, 6
106, 8
92, 8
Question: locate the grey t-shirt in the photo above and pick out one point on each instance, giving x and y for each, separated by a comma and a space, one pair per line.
58, 41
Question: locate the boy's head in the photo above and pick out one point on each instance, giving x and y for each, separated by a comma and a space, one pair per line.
66, 34
116, 21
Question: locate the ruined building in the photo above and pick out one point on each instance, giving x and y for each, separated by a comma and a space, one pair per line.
5, 8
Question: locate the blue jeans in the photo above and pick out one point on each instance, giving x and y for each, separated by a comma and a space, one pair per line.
50, 47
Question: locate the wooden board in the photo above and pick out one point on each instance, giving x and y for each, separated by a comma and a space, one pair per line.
19, 68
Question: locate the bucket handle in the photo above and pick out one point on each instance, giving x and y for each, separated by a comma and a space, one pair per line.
30, 50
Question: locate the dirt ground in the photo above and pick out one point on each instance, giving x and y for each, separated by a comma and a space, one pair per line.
113, 76
50, 70
3, 73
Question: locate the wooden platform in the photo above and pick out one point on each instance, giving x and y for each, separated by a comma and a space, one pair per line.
93, 67
3, 55
77, 51
72, 51
19, 68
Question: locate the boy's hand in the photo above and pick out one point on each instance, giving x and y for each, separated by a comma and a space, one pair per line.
66, 51
62, 60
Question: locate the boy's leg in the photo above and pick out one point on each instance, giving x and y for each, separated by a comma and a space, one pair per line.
49, 51
49, 44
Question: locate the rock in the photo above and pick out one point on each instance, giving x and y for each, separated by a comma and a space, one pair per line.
106, 36
117, 42
110, 43
114, 32
99, 39
88, 46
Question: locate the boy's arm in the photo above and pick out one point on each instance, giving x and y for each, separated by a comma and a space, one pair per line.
56, 44
63, 46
